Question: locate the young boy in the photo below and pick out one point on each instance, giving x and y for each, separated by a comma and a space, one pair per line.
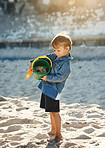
52, 84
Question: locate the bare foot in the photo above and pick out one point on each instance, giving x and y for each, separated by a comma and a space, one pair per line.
58, 138
51, 133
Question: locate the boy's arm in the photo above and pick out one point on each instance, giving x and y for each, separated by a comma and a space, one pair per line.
61, 75
52, 56
30, 66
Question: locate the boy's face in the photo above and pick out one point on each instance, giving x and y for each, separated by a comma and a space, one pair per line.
61, 51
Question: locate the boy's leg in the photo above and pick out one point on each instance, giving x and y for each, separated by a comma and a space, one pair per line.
53, 128
57, 118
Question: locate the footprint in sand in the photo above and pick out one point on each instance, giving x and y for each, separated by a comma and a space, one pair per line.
94, 116
74, 124
82, 137
15, 138
101, 135
13, 128
78, 115
29, 145
68, 145
41, 136
22, 108
89, 130
16, 121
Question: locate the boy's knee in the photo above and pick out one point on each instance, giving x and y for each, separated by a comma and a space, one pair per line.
54, 113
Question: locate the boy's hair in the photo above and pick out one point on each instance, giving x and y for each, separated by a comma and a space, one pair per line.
61, 39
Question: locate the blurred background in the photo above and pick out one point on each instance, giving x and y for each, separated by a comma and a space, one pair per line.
45, 18
23, 25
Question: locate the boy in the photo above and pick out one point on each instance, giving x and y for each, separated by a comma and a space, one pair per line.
52, 84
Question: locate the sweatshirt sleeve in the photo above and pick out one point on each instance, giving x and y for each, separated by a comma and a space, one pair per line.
61, 75
52, 56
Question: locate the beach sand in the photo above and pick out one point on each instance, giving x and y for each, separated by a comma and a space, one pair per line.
24, 125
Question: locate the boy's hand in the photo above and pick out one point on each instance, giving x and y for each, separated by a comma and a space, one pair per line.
44, 78
30, 67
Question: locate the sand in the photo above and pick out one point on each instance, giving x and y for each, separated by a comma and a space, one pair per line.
24, 124
86, 83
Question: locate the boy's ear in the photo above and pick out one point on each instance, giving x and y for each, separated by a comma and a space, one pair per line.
67, 48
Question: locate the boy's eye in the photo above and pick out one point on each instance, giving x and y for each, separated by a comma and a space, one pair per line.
56, 50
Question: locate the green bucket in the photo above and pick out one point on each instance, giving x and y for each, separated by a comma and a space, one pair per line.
41, 68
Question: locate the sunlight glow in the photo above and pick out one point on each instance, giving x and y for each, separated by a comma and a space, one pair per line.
84, 3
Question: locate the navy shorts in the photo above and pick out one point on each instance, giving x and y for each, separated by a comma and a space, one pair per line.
49, 104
